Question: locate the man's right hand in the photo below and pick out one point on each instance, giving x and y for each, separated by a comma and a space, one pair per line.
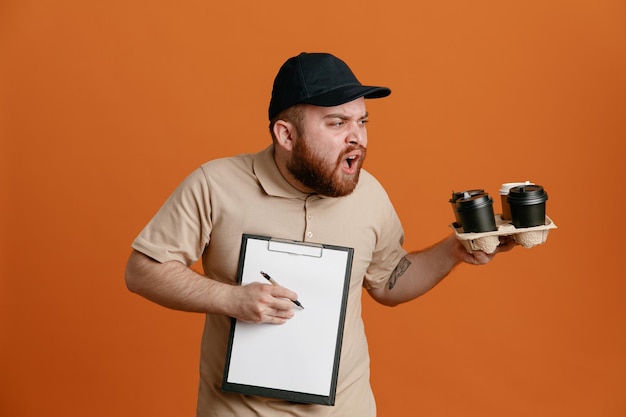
174, 285
263, 303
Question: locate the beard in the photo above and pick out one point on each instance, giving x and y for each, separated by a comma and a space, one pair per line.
320, 176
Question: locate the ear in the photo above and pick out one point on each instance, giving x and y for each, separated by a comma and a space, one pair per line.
284, 132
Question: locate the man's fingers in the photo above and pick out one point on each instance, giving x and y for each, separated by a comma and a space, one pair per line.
266, 303
282, 292
282, 308
275, 320
278, 315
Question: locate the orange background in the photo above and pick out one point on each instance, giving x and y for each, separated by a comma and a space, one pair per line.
106, 106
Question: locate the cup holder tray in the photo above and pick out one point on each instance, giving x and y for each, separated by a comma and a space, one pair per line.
489, 241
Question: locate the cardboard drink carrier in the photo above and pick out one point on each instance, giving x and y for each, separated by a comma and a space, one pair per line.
523, 217
489, 241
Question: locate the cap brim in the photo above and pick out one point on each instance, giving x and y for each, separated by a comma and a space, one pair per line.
346, 94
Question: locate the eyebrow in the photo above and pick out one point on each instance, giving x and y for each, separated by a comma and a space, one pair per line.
344, 117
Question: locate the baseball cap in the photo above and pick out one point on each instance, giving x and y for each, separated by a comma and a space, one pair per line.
320, 79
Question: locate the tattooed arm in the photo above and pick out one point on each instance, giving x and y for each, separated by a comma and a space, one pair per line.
418, 272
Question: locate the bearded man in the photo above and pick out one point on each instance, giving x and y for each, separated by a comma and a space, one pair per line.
309, 186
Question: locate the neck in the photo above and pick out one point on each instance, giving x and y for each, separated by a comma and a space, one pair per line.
281, 158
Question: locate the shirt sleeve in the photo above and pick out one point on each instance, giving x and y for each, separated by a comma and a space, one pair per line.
388, 250
180, 230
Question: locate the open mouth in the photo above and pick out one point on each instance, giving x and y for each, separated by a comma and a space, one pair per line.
350, 163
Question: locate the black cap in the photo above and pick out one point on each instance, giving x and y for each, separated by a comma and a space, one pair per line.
320, 79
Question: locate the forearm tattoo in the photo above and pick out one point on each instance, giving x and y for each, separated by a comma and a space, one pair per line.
403, 265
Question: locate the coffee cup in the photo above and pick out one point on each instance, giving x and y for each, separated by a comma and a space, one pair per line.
476, 213
458, 195
528, 205
504, 193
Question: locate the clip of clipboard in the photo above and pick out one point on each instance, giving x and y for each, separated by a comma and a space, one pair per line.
297, 361
295, 248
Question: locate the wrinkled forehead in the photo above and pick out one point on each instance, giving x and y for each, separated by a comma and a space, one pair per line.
355, 109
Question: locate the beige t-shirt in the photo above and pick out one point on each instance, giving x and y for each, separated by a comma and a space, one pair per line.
205, 218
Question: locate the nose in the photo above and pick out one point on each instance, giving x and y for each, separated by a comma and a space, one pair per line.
357, 134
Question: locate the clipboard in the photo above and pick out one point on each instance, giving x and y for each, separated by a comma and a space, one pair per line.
297, 361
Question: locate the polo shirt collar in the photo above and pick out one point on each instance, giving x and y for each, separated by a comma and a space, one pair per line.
271, 179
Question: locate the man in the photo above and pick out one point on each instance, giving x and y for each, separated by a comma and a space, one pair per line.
309, 186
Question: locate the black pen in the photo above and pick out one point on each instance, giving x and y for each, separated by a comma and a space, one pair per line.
271, 280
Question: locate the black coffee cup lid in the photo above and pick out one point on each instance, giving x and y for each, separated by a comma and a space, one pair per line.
527, 194
458, 195
473, 201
